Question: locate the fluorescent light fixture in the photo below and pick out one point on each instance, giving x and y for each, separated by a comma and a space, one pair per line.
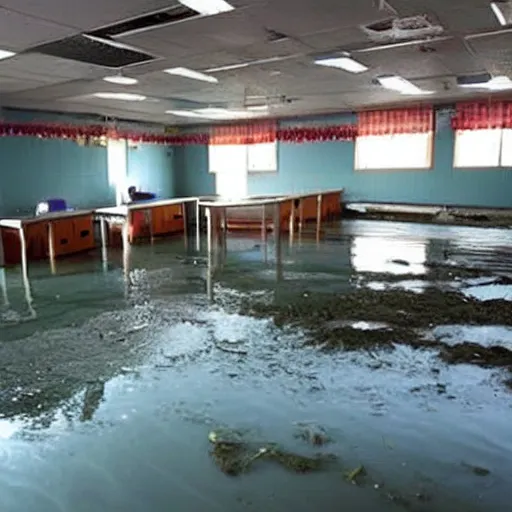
211, 113
401, 85
257, 108
190, 73
207, 7
5, 54
503, 12
497, 83
120, 80
344, 62
183, 113
121, 96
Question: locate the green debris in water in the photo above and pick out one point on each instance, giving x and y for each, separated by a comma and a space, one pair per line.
327, 318
356, 474
477, 470
236, 457
312, 434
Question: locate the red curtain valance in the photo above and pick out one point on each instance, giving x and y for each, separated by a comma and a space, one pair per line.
399, 121
482, 115
317, 133
253, 133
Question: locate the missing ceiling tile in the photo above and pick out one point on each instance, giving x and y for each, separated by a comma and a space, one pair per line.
93, 50
396, 29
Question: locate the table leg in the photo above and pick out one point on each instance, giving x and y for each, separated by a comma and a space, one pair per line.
292, 223
318, 216
277, 241
51, 247
24, 269
103, 233
3, 286
198, 226
185, 223
126, 250
149, 217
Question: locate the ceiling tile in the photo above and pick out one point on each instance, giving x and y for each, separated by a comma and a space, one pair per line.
18, 32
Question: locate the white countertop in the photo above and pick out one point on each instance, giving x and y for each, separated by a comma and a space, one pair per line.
123, 209
18, 223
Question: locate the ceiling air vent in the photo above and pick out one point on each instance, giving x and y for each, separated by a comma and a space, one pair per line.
397, 29
174, 14
94, 50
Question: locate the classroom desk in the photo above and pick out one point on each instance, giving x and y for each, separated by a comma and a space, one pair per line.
147, 219
295, 209
47, 236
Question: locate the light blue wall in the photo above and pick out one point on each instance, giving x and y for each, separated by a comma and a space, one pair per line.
33, 169
328, 165
150, 169
191, 171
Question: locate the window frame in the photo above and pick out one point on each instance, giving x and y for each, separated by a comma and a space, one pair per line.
430, 151
488, 167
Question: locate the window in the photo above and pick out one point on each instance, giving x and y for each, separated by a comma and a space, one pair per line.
117, 166
262, 157
395, 151
483, 148
257, 157
229, 164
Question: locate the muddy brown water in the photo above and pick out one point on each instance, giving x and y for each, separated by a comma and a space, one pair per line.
109, 387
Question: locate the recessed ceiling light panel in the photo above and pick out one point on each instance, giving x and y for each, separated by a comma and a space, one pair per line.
120, 96
207, 7
401, 85
5, 54
503, 12
343, 62
121, 80
193, 75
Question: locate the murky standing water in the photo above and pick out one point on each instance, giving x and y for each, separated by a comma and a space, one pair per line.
111, 379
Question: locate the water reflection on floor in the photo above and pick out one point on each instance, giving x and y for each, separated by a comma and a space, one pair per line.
111, 379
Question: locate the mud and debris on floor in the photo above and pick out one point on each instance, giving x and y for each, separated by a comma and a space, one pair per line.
374, 370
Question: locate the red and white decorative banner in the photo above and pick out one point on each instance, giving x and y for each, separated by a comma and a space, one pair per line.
81, 132
482, 115
250, 133
236, 134
398, 121
317, 134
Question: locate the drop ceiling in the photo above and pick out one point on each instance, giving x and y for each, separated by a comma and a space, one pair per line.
265, 50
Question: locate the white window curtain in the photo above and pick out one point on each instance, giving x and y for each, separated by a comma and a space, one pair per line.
397, 151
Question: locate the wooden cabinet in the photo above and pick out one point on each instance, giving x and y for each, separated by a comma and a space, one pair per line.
69, 235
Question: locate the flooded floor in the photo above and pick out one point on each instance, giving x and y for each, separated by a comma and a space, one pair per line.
115, 376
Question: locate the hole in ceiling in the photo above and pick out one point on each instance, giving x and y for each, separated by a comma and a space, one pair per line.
273, 36
412, 27
83, 48
174, 14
